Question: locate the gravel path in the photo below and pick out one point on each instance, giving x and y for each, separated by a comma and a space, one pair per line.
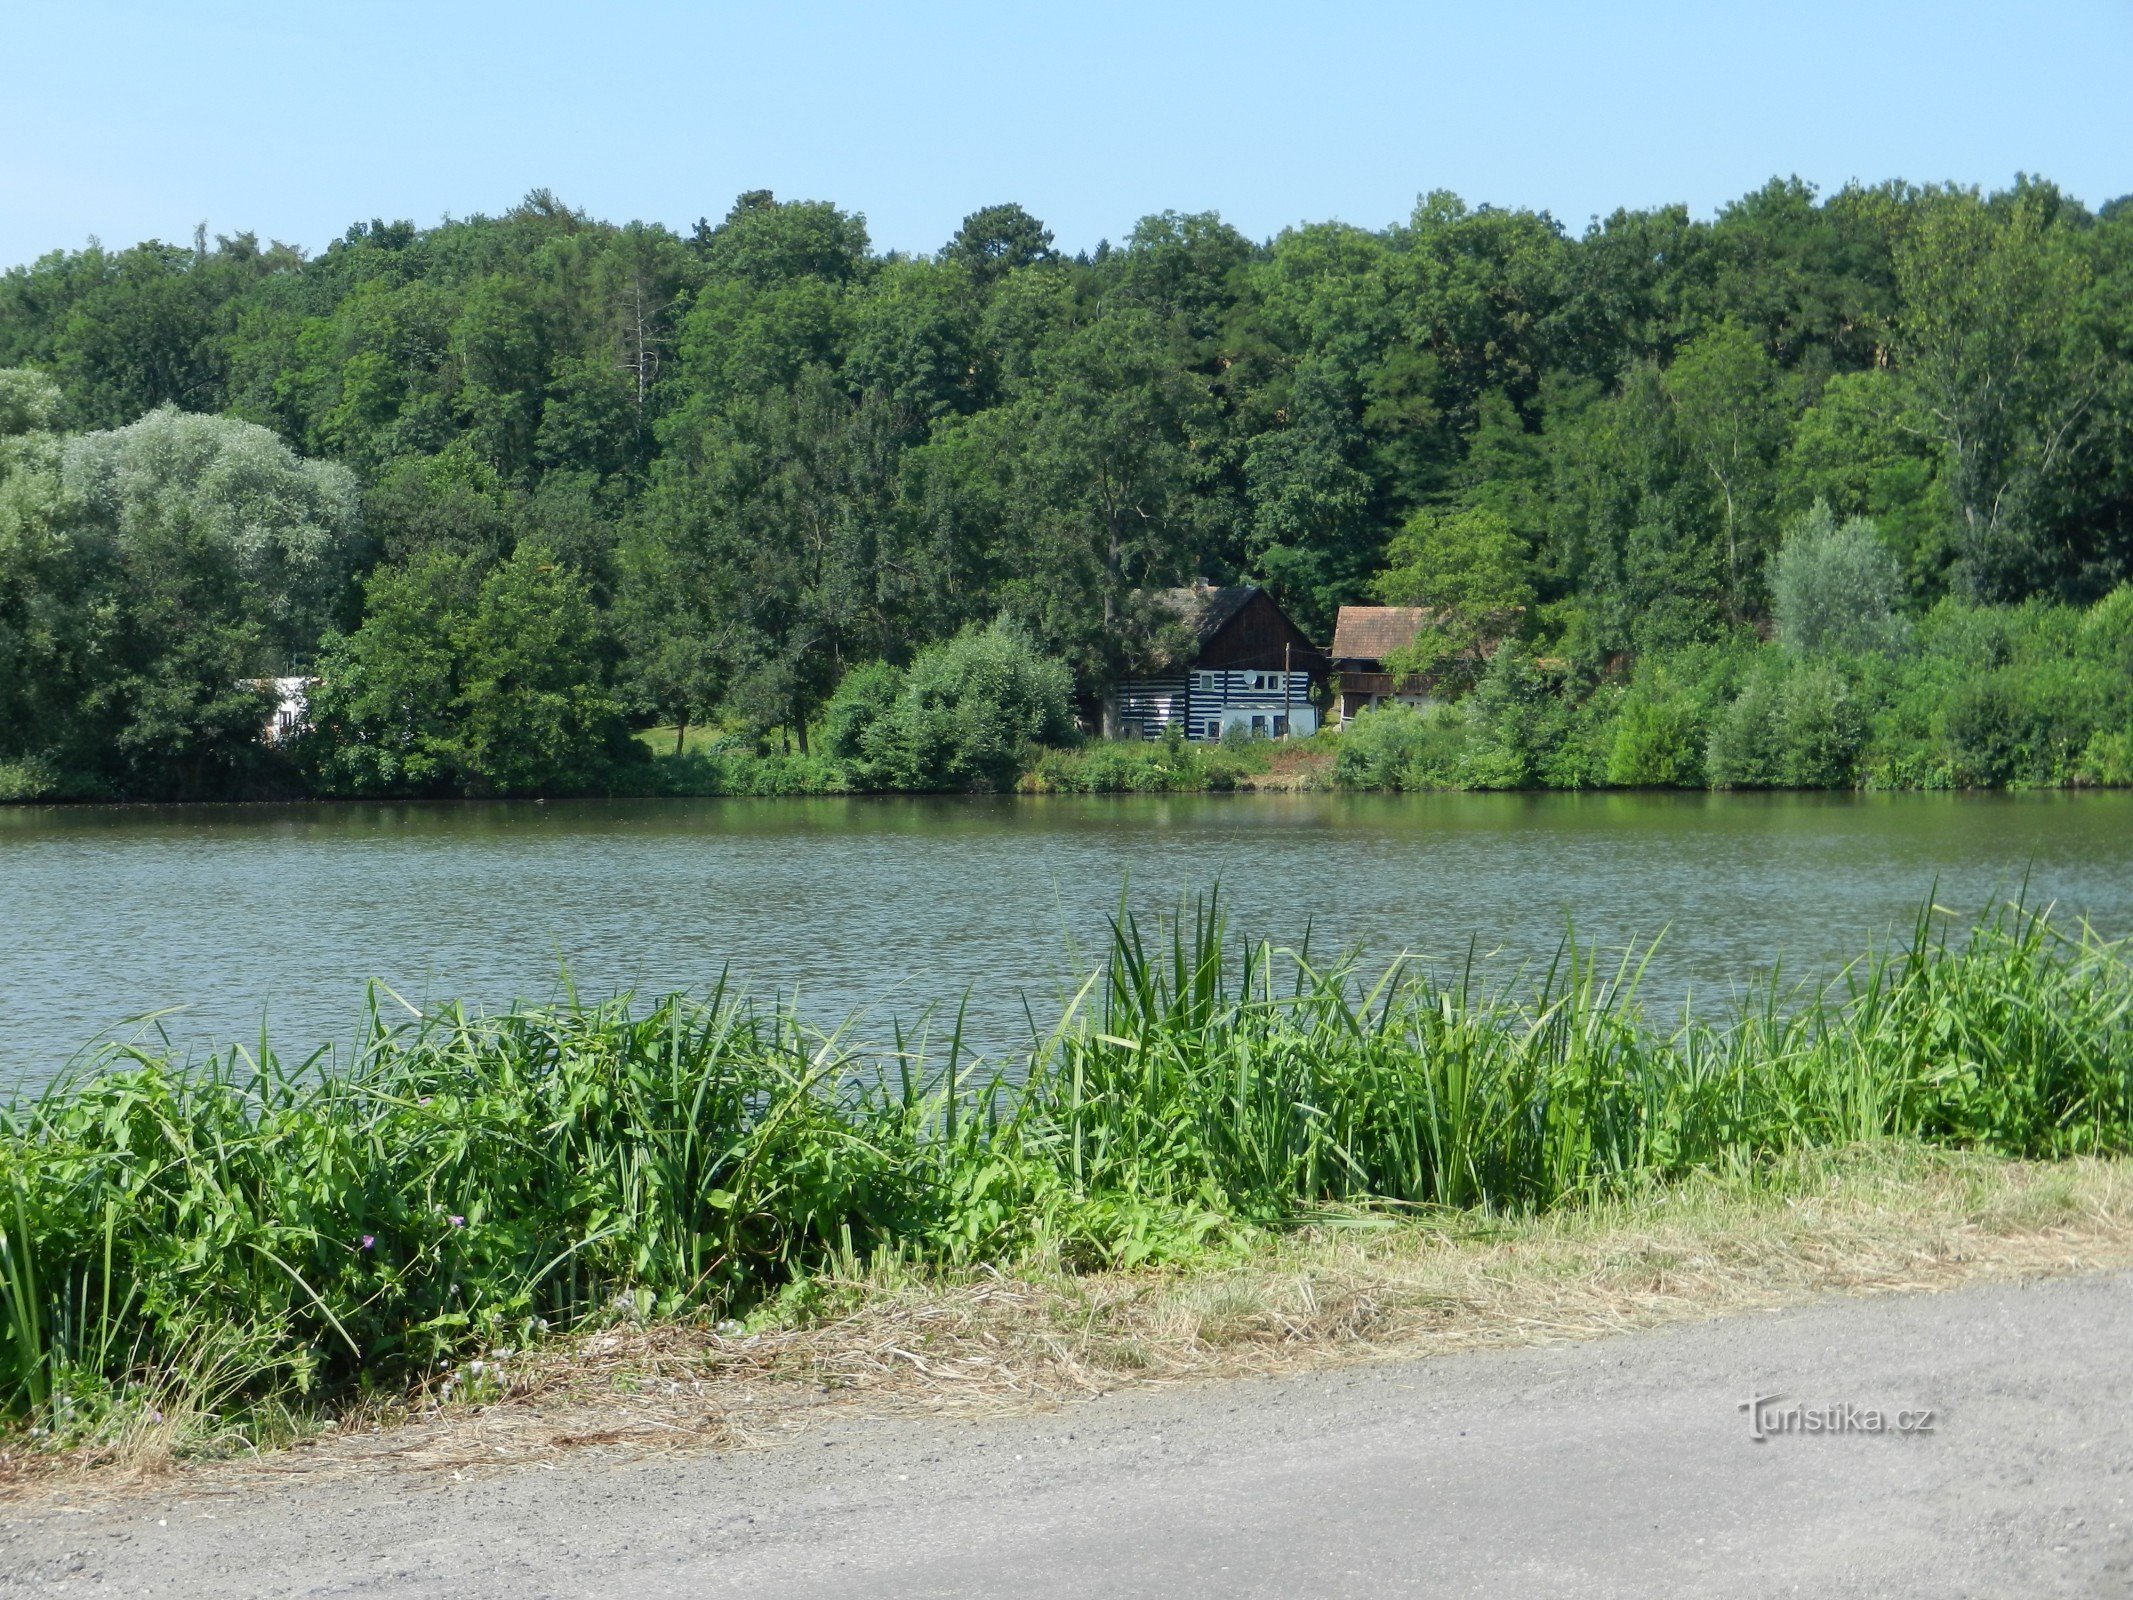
1623, 1467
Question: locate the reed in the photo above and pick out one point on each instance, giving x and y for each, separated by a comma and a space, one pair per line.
244, 1231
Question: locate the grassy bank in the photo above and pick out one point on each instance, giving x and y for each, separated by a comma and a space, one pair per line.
228, 1238
893, 1338
1174, 766
710, 763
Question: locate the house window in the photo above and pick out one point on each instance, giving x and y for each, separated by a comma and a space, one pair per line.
1259, 726
1214, 727
1203, 683
1281, 727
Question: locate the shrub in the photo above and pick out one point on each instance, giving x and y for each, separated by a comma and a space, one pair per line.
738, 766
1134, 766
1836, 587
26, 779
1820, 730
1656, 743
1799, 728
1519, 723
2106, 633
862, 699
1742, 753
1986, 732
2108, 761
968, 710
1398, 747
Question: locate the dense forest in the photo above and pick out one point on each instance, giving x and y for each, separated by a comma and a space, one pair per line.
1822, 490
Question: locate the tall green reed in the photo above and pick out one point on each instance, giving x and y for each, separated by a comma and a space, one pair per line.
471, 1180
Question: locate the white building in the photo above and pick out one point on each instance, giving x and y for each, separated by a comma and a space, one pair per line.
1250, 670
291, 699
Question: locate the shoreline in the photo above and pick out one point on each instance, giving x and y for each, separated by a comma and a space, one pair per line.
241, 1246
891, 1343
886, 796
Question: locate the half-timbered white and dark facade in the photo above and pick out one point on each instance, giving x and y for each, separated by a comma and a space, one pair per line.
1247, 669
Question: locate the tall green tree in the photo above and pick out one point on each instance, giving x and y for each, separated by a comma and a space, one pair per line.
207, 557
785, 510
2005, 370
1314, 536
768, 452
465, 681
996, 240
1472, 574
1098, 466
47, 610
1732, 412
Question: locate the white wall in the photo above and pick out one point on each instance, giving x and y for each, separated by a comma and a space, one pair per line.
1303, 720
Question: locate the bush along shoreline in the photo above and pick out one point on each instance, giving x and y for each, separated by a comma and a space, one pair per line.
243, 1236
2037, 696
1849, 694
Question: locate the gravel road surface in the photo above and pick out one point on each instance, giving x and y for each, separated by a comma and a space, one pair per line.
1623, 1467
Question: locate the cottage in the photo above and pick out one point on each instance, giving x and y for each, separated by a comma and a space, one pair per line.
1363, 637
1245, 668
291, 702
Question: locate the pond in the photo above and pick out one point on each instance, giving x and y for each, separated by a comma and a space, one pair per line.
230, 919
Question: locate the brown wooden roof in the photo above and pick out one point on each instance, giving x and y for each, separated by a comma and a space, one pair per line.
1233, 627
1207, 610
1371, 633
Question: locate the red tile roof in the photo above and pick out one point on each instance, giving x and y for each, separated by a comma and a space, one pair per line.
1371, 633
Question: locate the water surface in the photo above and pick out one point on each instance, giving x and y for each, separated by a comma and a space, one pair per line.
280, 915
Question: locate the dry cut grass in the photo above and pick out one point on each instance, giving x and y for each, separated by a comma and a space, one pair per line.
1292, 766
890, 1342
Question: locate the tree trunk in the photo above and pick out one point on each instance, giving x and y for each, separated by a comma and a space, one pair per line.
1114, 563
1114, 560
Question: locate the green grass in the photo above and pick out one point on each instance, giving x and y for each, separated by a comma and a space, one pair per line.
245, 1231
659, 741
1137, 766
721, 761
705, 738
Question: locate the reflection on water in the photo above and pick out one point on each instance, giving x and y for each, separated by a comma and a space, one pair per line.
239, 914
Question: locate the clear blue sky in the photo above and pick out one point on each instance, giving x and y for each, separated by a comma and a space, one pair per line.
294, 119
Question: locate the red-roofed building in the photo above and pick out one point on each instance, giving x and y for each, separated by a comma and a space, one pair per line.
1363, 637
